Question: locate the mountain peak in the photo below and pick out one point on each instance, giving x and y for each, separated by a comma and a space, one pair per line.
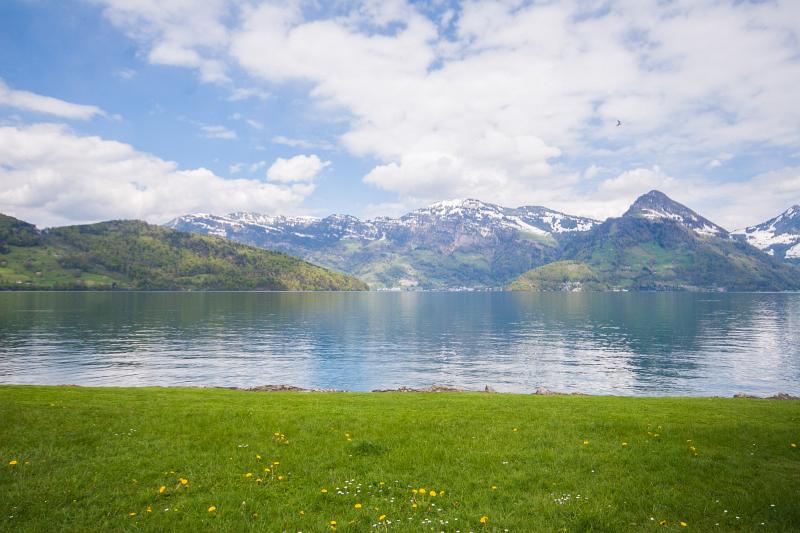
655, 205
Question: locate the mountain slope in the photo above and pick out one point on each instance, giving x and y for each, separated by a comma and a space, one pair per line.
778, 237
136, 255
660, 244
448, 244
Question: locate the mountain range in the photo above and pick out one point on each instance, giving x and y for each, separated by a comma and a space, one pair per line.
779, 236
457, 243
129, 254
657, 244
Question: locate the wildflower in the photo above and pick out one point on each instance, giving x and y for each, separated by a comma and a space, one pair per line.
324, 491
683, 524
258, 480
792, 445
162, 489
586, 443
267, 470
212, 509
662, 522
184, 481
258, 457
131, 514
357, 506
280, 478
414, 505
12, 462
515, 430
494, 487
624, 444
149, 509
432, 493
421, 491
249, 474
441, 493
382, 517
333, 524
276, 463
484, 520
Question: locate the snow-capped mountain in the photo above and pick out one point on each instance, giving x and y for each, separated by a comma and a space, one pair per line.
779, 236
461, 242
656, 205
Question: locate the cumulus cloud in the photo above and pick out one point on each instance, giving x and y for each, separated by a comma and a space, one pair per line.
50, 175
300, 168
28, 101
509, 100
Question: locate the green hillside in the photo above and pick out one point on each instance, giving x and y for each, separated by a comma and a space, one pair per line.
635, 253
137, 255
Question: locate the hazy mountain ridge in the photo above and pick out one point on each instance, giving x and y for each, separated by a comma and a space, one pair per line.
136, 255
778, 237
448, 244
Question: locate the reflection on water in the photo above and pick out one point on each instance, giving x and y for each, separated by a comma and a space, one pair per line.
621, 343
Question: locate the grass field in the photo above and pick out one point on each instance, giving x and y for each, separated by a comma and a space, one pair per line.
84, 459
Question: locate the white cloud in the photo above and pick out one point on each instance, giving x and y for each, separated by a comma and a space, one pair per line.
499, 106
218, 132
126, 74
235, 168
300, 168
243, 93
37, 103
50, 175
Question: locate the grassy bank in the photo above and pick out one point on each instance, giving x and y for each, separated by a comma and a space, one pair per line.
113, 459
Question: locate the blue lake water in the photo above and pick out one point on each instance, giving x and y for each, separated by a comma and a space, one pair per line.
612, 343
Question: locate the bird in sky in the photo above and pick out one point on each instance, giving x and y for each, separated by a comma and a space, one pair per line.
619, 123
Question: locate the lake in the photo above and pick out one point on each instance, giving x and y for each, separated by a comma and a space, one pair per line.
599, 343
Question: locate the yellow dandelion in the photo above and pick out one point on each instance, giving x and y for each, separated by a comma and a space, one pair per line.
333, 524
324, 491
792, 445
414, 505
441, 493
357, 506
131, 514
432, 493
12, 462
381, 518
184, 481
683, 524
484, 520
515, 430
258, 480
421, 491
267, 470
280, 478
302, 513
624, 444
249, 474
212, 508
276, 463
662, 522
494, 487
586, 443
149, 509
258, 457
162, 489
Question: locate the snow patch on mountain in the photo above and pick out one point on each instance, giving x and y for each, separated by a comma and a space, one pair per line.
779, 236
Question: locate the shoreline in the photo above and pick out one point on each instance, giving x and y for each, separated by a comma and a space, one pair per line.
432, 389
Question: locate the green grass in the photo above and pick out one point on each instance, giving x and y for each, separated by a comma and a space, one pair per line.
88, 458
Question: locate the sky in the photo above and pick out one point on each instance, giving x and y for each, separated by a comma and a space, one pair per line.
151, 109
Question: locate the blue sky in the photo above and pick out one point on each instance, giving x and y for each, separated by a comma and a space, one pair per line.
155, 108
